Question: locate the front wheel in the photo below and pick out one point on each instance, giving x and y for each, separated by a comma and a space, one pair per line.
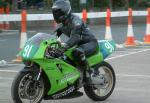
26, 90
105, 82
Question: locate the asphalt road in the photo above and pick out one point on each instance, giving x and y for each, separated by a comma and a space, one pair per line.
132, 85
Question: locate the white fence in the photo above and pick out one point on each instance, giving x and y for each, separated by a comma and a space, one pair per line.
37, 17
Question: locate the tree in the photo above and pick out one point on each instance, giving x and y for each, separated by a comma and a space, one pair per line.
110, 4
48, 3
14, 5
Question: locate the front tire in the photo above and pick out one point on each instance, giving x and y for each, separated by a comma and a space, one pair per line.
24, 90
95, 93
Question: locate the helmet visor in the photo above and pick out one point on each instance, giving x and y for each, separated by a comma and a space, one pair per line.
57, 14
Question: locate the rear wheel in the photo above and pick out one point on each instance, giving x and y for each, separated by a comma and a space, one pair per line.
102, 91
26, 90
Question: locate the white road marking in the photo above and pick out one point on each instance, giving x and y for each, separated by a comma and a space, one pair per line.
132, 90
9, 71
6, 78
11, 64
131, 75
132, 53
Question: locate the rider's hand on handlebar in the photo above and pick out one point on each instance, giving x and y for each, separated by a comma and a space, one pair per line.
64, 47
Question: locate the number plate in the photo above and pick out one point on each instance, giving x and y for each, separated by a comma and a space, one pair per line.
29, 51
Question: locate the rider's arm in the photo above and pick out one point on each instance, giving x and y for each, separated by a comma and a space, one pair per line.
75, 36
59, 31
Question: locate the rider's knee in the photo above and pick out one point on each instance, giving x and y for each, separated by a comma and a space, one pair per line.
78, 52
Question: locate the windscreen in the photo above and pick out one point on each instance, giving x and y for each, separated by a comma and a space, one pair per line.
39, 37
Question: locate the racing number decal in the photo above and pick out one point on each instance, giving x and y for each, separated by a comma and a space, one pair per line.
109, 47
27, 50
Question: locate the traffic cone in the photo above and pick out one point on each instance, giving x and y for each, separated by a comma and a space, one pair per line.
7, 25
23, 37
147, 35
130, 41
108, 35
18, 59
2, 26
84, 15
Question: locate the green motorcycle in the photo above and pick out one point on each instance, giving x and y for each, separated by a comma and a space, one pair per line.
50, 74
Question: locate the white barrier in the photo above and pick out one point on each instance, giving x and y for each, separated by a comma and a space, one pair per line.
34, 17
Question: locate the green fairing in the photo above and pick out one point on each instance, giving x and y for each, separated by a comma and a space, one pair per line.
93, 60
60, 74
43, 45
28, 56
56, 76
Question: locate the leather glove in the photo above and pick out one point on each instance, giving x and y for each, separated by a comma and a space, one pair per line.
64, 47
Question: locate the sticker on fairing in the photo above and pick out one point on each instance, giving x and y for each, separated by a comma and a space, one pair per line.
27, 50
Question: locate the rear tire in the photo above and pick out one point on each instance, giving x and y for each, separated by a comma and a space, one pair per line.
22, 86
90, 89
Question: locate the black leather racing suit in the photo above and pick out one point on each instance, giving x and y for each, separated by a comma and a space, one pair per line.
79, 34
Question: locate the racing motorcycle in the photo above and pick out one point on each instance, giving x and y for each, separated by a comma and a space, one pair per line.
50, 74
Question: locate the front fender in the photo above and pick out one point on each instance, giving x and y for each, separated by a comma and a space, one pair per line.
31, 68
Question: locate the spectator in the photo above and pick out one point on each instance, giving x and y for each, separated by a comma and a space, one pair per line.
30, 3
3, 3
19, 2
39, 4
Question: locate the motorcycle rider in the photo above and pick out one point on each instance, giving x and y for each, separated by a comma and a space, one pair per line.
77, 31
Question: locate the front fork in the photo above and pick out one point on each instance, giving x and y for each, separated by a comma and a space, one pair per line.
34, 69
39, 74
35, 72
37, 78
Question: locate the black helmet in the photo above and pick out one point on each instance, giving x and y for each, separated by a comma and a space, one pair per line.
61, 10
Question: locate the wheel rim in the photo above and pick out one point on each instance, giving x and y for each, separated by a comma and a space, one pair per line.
28, 91
103, 91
